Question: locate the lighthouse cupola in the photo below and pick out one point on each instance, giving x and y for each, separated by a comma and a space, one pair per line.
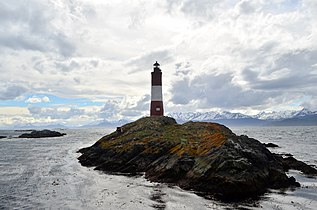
156, 91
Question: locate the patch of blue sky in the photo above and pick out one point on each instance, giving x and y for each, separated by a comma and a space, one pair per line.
292, 4
300, 101
286, 6
53, 101
281, 6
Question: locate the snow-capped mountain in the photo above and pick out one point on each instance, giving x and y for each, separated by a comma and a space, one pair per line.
273, 115
281, 115
31, 126
263, 118
106, 123
206, 116
305, 112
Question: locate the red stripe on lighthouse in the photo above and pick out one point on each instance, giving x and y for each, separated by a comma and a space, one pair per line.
157, 108
156, 78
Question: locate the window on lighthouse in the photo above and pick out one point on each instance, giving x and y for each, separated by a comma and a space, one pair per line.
158, 109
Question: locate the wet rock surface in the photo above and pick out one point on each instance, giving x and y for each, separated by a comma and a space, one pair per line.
270, 145
41, 134
204, 157
290, 162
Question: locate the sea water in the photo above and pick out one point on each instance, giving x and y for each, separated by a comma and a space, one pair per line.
44, 174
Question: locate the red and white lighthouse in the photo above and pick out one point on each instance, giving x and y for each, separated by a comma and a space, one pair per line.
156, 91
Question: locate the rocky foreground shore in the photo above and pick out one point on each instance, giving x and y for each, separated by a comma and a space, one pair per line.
199, 156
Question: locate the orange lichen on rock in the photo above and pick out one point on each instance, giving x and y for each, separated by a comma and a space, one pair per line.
190, 139
209, 141
202, 145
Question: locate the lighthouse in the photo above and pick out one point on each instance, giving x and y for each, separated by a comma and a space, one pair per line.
156, 92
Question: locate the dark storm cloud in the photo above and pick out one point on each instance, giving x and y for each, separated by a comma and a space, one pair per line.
11, 92
287, 83
27, 25
298, 69
215, 91
182, 92
291, 73
301, 61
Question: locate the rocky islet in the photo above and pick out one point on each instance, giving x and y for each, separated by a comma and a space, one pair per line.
41, 134
200, 156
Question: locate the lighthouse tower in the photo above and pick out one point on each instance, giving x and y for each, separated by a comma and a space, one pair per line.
156, 91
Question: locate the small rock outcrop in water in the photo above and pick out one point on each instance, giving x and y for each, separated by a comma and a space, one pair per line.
291, 163
41, 134
270, 145
200, 156
2, 137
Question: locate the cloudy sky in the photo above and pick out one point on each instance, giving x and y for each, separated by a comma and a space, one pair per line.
79, 61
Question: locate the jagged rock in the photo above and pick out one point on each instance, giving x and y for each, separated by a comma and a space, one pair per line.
205, 157
41, 134
290, 162
270, 145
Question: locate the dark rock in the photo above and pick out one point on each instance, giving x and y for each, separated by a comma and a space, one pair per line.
205, 157
290, 162
286, 154
270, 145
41, 134
2, 137
293, 182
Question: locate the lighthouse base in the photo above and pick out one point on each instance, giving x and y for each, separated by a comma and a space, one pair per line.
157, 108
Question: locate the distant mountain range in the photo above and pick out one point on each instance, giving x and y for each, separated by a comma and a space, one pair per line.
303, 117
95, 124
106, 123
37, 127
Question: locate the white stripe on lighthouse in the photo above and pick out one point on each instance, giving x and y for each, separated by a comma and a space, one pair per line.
156, 93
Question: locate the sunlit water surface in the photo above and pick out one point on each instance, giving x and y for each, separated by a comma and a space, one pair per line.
45, 174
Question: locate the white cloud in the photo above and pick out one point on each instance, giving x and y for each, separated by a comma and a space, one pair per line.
55, 112
46, 99
128, 107
11, 91
263, 52
35, 99
32, 29
266, 57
